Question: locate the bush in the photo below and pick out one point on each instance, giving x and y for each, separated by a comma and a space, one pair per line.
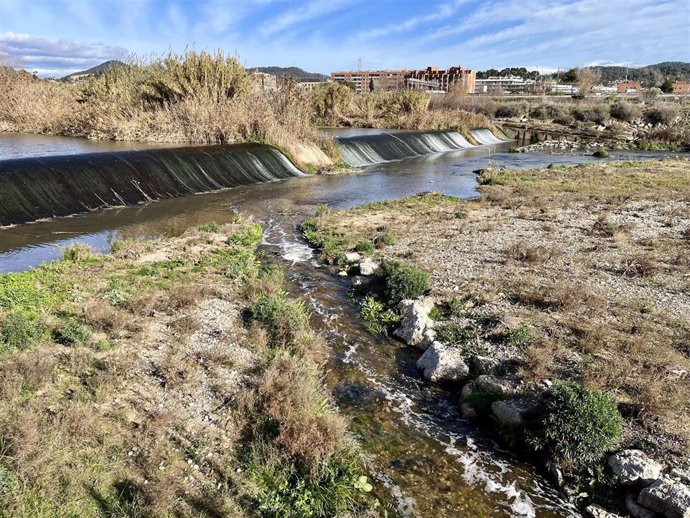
72, 333
547, 112
209, 227
284, 319
400, 281
598, 113
18, 331
661, 115
514, 109
377, 319
576, 427
365, 247
624, 111
77, 252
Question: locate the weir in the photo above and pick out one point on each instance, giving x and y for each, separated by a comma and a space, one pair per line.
363, 150
45, 187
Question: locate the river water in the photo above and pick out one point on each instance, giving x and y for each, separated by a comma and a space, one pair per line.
427, 459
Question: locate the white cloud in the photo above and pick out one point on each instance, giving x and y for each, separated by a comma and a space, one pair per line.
46, 56
309, 11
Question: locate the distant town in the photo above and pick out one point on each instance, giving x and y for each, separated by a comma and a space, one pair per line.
463, 80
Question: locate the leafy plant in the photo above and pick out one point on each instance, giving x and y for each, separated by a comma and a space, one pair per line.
365, 246
283, 318
72, 332
576, 427
19, 331
400, 281
377, 319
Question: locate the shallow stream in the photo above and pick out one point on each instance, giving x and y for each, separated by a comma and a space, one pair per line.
430, 460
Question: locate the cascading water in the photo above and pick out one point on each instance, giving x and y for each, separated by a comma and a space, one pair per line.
365, 150
485, 137
44, 187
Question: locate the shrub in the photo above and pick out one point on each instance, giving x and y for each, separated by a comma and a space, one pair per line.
400, 281
512, 109
377, 319
576, 427
18, 331
547, 112
518, 335
250, 237
598, 113
624, 111
365, 246
77, 252
385, 239
209, 227
661, 115
284, 319
72, 333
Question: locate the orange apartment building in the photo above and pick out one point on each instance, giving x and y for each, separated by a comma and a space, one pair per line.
430, 78
628, 87
364, 80
681, 88
455, 78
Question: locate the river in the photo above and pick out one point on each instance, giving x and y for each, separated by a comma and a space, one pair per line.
426, 458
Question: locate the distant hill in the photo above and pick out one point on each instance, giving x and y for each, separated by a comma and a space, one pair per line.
296, 72
651, 75
94, 70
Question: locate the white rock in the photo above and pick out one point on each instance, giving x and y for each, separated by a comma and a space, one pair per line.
511, 412
443, 363
416, 328
498, 385
668, 497
634, 467
636, 510
368, 266
594, 511
352, 257
342, 273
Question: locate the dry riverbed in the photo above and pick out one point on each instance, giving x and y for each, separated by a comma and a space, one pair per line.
169, 378
577, 273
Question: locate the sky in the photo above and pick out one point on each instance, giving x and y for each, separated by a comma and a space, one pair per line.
57, 37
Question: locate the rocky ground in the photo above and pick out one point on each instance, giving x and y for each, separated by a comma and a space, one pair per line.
579, 273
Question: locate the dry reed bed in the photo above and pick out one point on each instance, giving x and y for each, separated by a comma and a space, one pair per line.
592, 263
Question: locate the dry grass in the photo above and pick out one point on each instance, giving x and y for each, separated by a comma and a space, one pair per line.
593, 258
172, 407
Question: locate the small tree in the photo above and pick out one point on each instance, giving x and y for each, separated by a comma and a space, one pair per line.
586, 78
667, 86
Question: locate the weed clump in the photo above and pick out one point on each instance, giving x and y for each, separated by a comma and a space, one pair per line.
576, 427
400, 281
19, 331
284, 319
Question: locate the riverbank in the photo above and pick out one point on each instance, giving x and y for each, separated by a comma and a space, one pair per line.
564, 273
172, 376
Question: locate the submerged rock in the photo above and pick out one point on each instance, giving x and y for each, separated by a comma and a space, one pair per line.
668, 497
416, 328
633, 467
443, 363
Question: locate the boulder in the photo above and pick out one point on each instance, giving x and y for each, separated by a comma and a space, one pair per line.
498, 385
467, 411
636, 510
368, 266
594, 511
484, 364
416, 328
634, 467
443, 363
511, 412
359, 281
668, 497
352, 257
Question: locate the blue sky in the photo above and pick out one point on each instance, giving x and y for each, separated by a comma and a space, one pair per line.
55, 37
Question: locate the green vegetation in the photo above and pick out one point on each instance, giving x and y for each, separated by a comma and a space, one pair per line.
576, 427
401, 281
89, 347
378, 319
